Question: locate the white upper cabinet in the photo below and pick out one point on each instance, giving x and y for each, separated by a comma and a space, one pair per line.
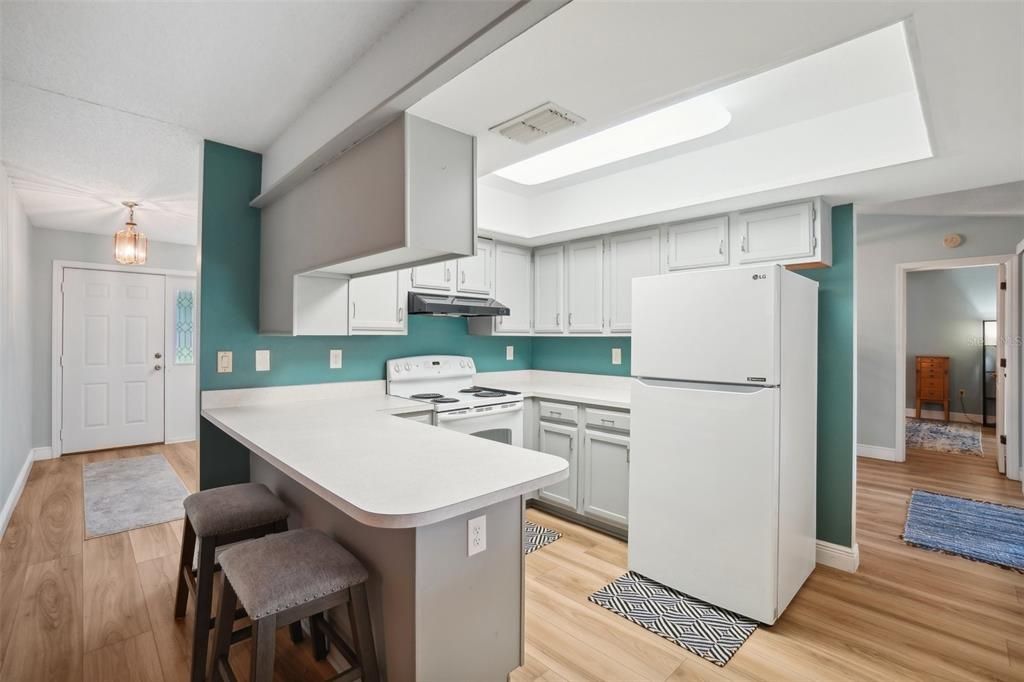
630, 255
697, 243
376, 303
777, 234
474, 274
512, 278
434, 276
585, 288
548, 279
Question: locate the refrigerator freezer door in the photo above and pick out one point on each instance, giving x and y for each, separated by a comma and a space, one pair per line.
717, 326
703, 482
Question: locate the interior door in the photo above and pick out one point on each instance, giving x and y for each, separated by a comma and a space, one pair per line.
1000, 370
586, 286
703, 491
112, 360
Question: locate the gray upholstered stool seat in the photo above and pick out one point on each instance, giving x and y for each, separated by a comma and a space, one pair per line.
214, 518
282, 578
287, 569
232, 508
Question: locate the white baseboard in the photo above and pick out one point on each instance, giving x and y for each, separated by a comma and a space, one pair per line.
876, 452
15, 495
837, 556
45, 452
939, 414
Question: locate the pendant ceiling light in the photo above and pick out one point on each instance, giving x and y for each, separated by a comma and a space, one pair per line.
129, 244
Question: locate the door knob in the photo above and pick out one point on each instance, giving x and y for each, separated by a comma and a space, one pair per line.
157, 367
158, 355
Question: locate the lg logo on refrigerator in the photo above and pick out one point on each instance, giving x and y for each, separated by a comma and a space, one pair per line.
760, 276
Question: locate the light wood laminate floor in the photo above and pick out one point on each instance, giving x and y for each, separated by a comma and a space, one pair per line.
101, 609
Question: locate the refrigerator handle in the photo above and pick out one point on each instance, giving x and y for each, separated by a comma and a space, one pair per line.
704, 386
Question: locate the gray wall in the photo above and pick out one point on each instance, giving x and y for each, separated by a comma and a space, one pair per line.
882, 242
16, 346
945, 309
51, 245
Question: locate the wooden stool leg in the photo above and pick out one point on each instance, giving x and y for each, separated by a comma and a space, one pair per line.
362, 632
188, 548
318, 634
295, 629
263, 631
222, 639
204, 602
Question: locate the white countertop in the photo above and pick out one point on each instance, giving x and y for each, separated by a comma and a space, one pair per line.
590, 389
379, 469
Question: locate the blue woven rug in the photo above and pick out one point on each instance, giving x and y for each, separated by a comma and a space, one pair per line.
982, 531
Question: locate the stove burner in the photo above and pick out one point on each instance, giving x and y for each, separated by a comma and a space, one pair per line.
488, 394
445, 400
471, 389
425, 396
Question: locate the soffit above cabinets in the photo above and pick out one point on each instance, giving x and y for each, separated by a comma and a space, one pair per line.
859, 103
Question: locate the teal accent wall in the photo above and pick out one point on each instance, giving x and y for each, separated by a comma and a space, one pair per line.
590, 355
836, 396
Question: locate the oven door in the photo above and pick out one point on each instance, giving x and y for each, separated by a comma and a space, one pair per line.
501, 423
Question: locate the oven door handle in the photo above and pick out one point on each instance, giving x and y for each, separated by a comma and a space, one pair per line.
470, 413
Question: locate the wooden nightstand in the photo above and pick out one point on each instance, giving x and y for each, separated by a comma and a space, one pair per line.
933, 381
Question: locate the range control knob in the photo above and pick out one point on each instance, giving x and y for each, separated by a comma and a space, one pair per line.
462, 363
407, 367
396, 368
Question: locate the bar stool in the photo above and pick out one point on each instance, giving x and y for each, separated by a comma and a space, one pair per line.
282, 578
213, 518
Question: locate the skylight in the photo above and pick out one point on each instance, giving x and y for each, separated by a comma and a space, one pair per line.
672, 125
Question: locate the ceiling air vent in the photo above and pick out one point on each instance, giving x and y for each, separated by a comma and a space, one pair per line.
537, 123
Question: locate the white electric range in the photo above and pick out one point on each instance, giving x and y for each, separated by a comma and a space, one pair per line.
446, 382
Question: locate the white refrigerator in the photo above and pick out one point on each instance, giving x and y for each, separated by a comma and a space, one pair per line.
723, 439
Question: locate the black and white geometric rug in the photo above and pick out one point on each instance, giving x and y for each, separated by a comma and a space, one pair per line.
698, 627
535, 537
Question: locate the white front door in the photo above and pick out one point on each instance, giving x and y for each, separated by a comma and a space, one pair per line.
112, 359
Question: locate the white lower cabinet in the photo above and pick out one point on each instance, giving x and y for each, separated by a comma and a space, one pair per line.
604, 482
377, 303
560, 440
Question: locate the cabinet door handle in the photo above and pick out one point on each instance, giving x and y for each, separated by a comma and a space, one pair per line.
353, 308
463, 272
627, 454
447, 275
607, 421
401, 313
743, 244
570, 442
721, 247
558, 319
570, 319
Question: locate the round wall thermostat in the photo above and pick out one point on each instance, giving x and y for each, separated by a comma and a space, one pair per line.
952, 240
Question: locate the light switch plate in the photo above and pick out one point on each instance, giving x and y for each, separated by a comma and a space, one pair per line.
263, 361
223, 361
510, 352
477, 531
336, 358
616, 356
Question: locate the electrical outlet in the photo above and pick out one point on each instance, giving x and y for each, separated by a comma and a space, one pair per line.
477, 540
616, 356
223, 362
336, 359
263, 361
510, 352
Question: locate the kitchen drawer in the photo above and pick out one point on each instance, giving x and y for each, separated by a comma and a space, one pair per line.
607, 419
558, 411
